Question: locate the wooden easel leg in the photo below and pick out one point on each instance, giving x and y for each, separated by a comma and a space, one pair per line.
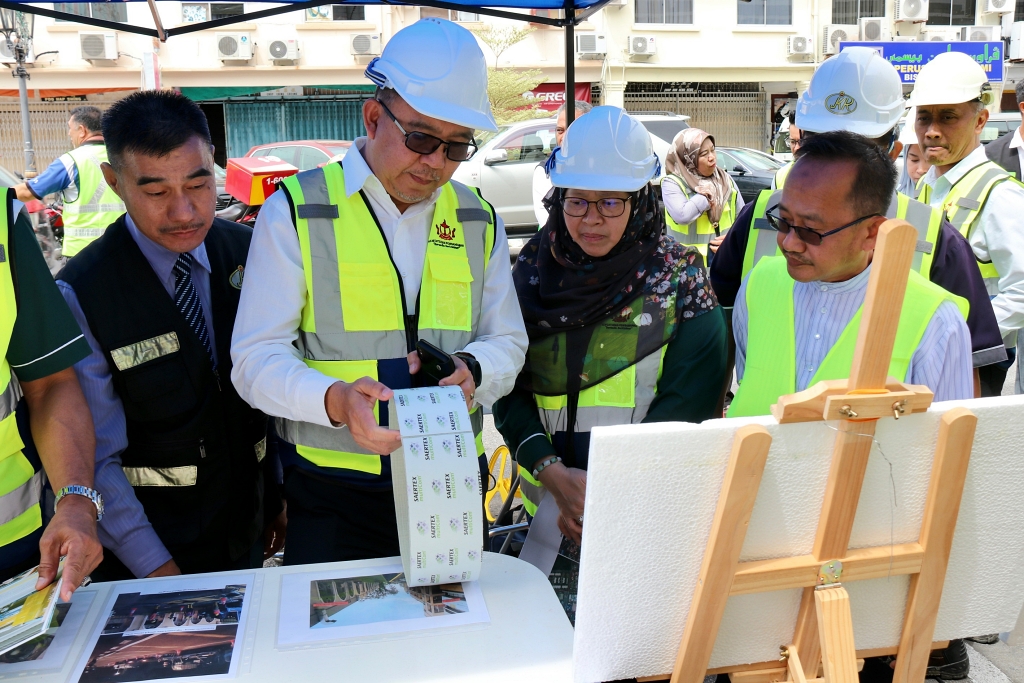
835, 632
952, 456
735, 503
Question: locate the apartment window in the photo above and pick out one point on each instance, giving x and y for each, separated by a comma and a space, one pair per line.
764, 12
192, 12
952, 12
664, 12
449, 14
852, 11
110, 11
336, 13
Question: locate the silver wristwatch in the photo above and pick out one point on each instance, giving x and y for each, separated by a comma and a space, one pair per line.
78, 490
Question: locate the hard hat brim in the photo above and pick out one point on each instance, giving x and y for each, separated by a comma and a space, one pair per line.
596, 183
444, 111
932, 99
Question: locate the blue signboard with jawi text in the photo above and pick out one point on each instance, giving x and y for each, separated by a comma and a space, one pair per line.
908, 58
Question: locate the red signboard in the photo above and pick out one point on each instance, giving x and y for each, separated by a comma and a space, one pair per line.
551, 96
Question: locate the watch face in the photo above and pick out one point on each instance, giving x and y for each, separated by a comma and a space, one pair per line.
191, 12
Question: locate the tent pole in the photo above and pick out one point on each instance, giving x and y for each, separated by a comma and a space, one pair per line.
570, 68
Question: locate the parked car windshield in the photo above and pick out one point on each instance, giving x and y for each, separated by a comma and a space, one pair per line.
666, 129
755, 161
484, 136
338, 150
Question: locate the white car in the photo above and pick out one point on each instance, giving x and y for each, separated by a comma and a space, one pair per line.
503, 166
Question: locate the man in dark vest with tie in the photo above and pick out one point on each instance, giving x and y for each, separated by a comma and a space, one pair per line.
180, 458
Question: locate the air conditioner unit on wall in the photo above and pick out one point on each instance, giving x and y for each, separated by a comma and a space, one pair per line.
999, 6
834, 34
283, 50
98, 45
1017, 41
874, 29
366, 44
912, 10
591, 46
979, 33
231, 46
7, 55
799, 45
944, 35
641, 46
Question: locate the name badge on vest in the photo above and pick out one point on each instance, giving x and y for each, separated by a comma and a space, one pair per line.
235, 279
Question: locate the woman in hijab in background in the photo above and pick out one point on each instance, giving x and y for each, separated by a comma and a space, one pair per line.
701, 200
914, 163
622, 322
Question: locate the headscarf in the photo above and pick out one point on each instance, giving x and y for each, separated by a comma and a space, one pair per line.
561, 288
681, 161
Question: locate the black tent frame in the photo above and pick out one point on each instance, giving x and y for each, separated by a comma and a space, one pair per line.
573, 17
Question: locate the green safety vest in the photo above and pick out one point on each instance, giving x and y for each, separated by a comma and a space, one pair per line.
770, 369
622, 398
355, 316
21, 486
782, 174
96, 205
762, 240
964, 204
700, 232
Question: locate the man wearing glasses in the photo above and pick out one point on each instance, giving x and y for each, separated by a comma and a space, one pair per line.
355, 262
827, 222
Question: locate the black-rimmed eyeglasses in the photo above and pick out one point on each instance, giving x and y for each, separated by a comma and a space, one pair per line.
609, 207
807, 235
424, 143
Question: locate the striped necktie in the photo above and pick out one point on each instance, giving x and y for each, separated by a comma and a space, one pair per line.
186, 298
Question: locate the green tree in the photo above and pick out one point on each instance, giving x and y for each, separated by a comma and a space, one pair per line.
507, 88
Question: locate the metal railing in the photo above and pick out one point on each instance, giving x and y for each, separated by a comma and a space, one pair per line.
736, 119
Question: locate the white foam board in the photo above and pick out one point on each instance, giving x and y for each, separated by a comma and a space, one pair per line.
651, 496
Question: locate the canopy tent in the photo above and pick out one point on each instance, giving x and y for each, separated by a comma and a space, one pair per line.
575, 12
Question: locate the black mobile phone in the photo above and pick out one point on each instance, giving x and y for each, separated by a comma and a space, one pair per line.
435, 364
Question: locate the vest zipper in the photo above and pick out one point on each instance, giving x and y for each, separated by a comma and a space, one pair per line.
202, 449
216, 375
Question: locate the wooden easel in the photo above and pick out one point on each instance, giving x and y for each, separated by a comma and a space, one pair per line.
824, 629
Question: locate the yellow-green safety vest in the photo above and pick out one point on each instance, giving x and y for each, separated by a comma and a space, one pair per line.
782, 174
21, 485
355, 312
762, 240
701, 231
95, 207
964, 204
770, 369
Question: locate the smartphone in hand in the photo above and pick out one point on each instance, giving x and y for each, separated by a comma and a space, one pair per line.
435, 364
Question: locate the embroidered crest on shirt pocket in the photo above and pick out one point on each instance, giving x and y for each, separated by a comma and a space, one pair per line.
144, 351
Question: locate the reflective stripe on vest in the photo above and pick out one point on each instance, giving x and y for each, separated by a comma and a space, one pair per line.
96, 205
355, 316
782, 174
701, 231
20, 484
770, 370
964, 204
621, 399
762, 241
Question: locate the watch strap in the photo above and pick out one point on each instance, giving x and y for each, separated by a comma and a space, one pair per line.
78, 490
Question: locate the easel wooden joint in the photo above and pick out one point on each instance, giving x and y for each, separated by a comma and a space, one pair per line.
824, 631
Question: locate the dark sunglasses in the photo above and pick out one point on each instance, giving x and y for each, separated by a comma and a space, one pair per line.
423, 143
807, 235
609, 207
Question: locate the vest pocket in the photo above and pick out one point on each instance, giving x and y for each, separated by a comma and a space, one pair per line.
369, 297
451, 293
157, 389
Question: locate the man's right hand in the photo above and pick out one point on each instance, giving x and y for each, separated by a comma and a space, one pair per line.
352, 404
168, 568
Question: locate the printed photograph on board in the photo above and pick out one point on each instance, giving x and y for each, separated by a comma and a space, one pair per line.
384, 597
188, 632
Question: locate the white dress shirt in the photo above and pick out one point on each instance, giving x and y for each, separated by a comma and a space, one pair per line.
822, 310
998, 236
541, 187
268, 370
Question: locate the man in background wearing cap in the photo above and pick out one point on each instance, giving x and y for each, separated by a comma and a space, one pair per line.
980, 199
860, 92
352, 264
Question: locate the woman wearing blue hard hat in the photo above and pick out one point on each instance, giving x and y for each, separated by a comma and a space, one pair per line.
622, 322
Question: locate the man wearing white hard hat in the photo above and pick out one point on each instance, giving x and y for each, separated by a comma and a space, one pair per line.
859, 92
983, 201
353, 266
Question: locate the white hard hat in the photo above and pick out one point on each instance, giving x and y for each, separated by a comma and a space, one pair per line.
856, 91
908, 136
950, 78
438, 68
606, 150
